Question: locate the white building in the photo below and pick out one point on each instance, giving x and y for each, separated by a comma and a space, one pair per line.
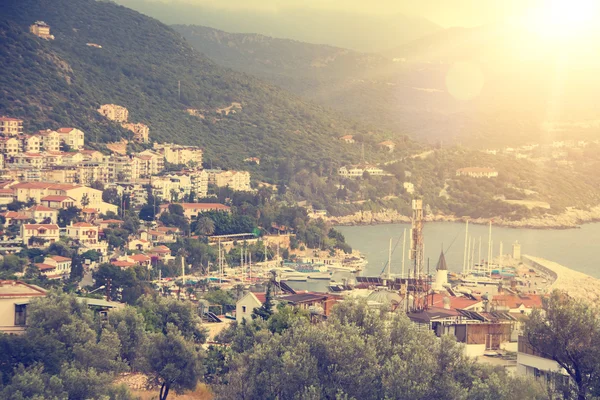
357, 171
181, 155
47, 232
14, 298
114, 112
73, 137
246, 305
236, 180
475, 172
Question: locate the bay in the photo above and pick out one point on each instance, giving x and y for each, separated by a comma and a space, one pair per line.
576, 249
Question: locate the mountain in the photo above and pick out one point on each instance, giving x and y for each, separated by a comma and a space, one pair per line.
485, 86
353, 30
140, 64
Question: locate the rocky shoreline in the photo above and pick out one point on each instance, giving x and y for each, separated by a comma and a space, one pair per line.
570, 219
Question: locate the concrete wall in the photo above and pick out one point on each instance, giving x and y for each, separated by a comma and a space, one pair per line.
474, 350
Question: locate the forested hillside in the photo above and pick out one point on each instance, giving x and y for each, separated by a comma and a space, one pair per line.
62, 82
417, 88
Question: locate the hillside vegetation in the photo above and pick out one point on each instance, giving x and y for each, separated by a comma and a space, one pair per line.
62, 83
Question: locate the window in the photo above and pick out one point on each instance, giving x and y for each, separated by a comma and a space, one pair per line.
20, 314
243, 309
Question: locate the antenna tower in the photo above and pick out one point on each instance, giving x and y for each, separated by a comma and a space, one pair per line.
419, 289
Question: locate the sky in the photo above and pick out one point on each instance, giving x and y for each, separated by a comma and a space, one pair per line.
446, 13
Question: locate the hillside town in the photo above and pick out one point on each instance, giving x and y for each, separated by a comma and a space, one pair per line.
131, 269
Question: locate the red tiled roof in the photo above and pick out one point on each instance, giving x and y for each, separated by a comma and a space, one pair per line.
44, 267
60, 258
515, 301
65, 130
110, 221
122, 264
161, 249
84, 225
455, 302
262, 297
14, 215
89, 210
41, 208
139, 258
39, 226
57, 198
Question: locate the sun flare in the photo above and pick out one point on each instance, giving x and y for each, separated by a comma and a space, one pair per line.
564, 19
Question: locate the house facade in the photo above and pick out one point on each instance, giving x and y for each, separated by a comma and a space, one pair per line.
14, 299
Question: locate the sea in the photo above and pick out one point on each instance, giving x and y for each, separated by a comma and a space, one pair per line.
577, 249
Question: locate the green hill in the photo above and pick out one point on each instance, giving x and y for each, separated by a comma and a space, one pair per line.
62, 83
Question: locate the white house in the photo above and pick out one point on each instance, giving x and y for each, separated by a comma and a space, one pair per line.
83, 232
14, 298
475, 172
47, 232
246, 305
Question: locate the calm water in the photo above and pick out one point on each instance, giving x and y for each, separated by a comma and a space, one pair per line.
574, 248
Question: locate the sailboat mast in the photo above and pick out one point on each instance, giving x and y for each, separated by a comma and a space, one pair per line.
489, 254
403, 251
479, 256
389, 266
465, 256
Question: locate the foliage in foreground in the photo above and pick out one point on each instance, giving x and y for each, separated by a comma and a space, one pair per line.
358, 354
567, 331
69, 352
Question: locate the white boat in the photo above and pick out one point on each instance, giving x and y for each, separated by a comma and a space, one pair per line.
320, 275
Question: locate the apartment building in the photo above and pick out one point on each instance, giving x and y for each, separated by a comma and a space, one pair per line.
181, 155
114, 112
41, 29
171, 187
236, 180
50, 140
149, 163
11, 126
31, 143
10, 146
73, 137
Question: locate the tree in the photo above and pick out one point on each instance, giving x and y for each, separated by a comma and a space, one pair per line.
266, 309
159, 312
77, 271
204, 226
567, 331
130, 327
174, 362
67, 215
362, 354
85, 201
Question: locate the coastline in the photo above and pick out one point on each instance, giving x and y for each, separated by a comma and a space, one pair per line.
575, 284
570, 219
